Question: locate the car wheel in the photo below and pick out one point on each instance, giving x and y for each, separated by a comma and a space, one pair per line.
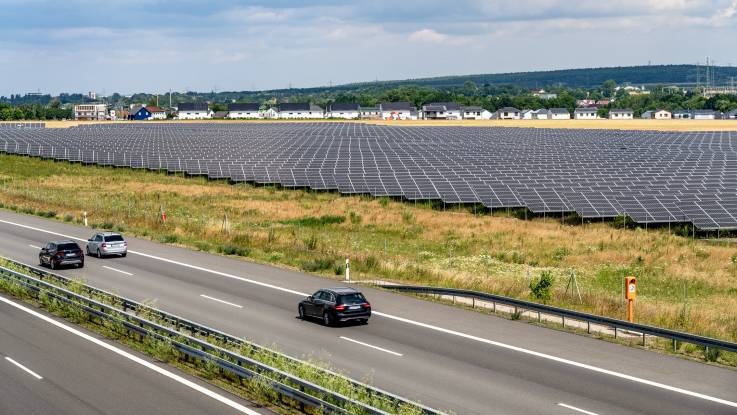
327, 319
88, 251
362, 321
124, 254
99, 254
51, 264
301, 310
80, 266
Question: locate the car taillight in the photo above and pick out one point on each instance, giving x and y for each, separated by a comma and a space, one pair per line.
125, 243
59, 254
104, 245
366, 305
339, 307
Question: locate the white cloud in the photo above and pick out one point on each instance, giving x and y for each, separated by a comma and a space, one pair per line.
431, 36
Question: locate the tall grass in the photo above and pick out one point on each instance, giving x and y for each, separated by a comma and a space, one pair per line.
404, 242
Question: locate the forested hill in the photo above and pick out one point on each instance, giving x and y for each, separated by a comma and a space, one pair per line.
572, 78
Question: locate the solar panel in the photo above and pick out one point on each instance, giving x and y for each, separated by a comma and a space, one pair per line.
652, 177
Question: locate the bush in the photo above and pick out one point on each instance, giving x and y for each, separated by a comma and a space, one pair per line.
230, 249
316, 221
355, 218
541, 288
319, 264
167, 239
311, 242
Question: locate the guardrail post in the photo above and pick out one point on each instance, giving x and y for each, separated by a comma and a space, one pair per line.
588, 327
675, 346
615, 332
473, 302
643, 339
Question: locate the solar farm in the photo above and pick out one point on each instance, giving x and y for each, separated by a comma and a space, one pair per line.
649, 176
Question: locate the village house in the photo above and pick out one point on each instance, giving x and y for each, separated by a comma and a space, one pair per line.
585, 113
193, 111
508, 113
244, 110
370, 113
621, 114
396, 111
656, 115
344, 110
559, 114
473, 112
442, 111
295, 110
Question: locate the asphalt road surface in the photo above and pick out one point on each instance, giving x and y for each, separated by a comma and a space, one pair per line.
48, 366
447, 358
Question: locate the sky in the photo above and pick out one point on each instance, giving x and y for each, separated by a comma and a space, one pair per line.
156, 46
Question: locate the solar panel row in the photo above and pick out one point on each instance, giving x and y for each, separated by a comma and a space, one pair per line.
652, 177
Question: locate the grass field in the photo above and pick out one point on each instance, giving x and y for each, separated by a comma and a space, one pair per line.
638, 124
684, 284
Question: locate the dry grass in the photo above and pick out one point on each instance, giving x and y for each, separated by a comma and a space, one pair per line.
683, 284
638, 124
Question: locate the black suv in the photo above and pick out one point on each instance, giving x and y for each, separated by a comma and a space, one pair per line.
58, 253
334, 305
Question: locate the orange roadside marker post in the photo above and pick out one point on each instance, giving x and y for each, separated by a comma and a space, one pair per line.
630, 293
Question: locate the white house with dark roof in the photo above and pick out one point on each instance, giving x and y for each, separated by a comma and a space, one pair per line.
397, 111
295, 110
559, 114
474, 112
244, 110
344, 110
528, 114
442, 111
621, 114
705, 115
370, 113
193, 111
656, 115
508, 113
590, 113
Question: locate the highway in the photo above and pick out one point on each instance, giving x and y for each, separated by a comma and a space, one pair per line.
48, 369
445, 357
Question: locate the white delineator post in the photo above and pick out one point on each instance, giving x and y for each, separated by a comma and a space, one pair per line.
85, 218
347, 270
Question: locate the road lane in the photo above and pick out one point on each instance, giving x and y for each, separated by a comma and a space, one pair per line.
72, 376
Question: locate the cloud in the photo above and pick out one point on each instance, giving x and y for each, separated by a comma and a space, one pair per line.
264, 44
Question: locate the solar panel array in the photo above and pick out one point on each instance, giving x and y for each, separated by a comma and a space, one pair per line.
652, 177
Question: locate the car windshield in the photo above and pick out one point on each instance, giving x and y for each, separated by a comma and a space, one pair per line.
113, 238
68, 247
352, 298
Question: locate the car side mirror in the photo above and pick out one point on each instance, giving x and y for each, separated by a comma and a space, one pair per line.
310, 298
89, 240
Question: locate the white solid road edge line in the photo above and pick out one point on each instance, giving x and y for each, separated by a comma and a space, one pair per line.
173, 376
34, 246
573, 408
435, 328
220, 301
372, 346
27, 370
117, 270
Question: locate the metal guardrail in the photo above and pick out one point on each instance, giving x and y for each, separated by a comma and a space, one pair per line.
642, 329
304, 392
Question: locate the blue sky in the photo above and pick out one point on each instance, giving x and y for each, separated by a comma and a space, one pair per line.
154, 46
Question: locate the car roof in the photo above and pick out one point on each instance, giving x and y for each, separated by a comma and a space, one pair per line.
341, 290
63, 241
108, 233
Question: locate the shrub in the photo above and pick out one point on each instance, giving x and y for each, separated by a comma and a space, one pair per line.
168, 239
541, 288
408, 217
311, 242
560, 253
319, 264
316, 221
339, 269
230, 249
355, 218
